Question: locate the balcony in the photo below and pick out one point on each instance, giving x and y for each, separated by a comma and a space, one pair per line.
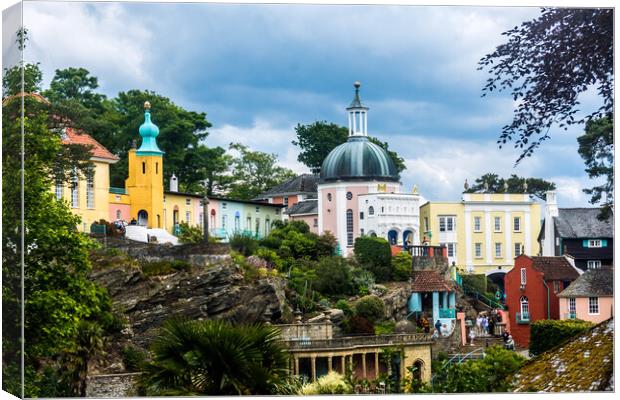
117, 190
447, 313
357, 341
428, 251
522, 318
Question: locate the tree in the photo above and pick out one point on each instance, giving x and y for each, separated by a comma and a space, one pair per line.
375, 255
254, 172
370, 307
215, 358
12, 79
402, 266
546, 64
333, 276
492, 183
596, 147
318, 139
60, 297
75, 84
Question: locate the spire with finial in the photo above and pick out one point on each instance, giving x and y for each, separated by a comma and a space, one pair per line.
148, 131
466, 185
358, 124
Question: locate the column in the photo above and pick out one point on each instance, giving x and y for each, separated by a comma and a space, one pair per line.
313, 367
376, 365
351, 363
296, 371
435, 309
329, 363
343, 361
364, 365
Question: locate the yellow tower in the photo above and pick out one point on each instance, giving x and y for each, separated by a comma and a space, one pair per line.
145, 184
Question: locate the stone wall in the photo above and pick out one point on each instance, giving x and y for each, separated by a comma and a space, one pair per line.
320, 331
112, 385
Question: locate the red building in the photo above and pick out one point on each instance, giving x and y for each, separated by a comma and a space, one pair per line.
532, 289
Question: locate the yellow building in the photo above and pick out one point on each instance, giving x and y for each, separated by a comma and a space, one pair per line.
88, 195
483, 232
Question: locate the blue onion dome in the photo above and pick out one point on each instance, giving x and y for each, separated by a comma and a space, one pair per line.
358, 159
148, 133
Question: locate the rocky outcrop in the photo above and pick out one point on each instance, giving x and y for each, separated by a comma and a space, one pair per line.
209, 291
395, 300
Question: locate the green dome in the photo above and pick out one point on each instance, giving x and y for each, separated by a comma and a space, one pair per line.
358, 159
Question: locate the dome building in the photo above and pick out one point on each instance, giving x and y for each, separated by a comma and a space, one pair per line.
359, 190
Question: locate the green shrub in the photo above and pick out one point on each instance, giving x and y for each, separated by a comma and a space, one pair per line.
190, 234
362, 281
332, 383
401, 266
243, 244
546, 334
371, 308
164, 267
385, 328
375, 255
343, 305
133, 358
333, 276
271, 257
475, 282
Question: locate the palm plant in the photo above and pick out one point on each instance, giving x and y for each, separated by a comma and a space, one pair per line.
216, 358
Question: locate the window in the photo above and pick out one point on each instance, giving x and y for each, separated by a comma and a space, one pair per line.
451, 249
371, 210
517, 249
525, 308
75, 203
224, 220
329, 197
118, 214
361, 214
257, 209
237, 222
90, 190
426, 228
286, 201
594, 264
144, 168
498, 224
498, 250
447, 224
188, 202
478, 250
572, 307
361, 232
316, 222
349, 227
224, 206
523, 276
595, 243
257, 226
187, 216
349, 196
200, 219
593, 305
267, 226
477, 224
248, 223
58, 189
517, 224
156, 168
212, 220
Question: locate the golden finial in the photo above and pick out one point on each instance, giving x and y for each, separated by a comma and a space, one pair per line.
147, 105
415, 189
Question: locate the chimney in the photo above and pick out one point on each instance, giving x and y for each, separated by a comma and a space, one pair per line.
174, 183
551, 211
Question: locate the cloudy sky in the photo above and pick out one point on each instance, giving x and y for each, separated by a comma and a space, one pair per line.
258, 70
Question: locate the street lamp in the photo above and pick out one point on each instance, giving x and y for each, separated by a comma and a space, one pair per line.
205, 215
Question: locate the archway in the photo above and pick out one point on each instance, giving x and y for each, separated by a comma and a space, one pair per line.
143, 218
372, 234
408, 237
417, 371
393, 236
495, 281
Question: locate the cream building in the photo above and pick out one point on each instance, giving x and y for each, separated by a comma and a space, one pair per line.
483, 232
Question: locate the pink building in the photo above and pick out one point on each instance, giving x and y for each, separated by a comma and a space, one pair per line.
306, 211
590, 297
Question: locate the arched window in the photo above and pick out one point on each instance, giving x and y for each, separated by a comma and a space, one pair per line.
118, 214
371, 210
418, 370
349, 196
524, 307
349, 227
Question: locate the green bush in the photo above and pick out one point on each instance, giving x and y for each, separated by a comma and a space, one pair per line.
190, 234
343, 305
332, 383
546, 334
375, 255
475, 282
360, 325
401, 266
244, 244
371, 308
385, 328
362, 281
133, 358
333, 276
271, 257
153, 268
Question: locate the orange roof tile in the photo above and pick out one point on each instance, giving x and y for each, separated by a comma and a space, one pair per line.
74, 136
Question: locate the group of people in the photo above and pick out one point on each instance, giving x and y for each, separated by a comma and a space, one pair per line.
509, 342
485, 326
425, 324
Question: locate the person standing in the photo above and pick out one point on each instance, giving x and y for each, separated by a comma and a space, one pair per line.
479, 324
472, 336
438, 327
485, 325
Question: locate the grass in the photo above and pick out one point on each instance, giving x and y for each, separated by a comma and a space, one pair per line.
155, 268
